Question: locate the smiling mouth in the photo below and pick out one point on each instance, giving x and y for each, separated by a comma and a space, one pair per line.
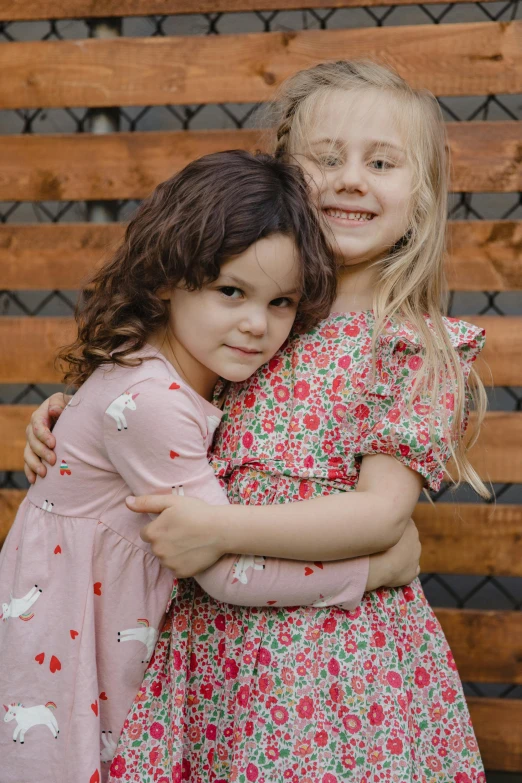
342, 214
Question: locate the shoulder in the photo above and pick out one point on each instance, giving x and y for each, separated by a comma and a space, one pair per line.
401, 335
151, 387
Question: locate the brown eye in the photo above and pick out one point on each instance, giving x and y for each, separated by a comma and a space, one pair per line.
230, 292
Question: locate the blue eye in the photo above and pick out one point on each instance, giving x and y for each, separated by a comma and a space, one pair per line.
381, 165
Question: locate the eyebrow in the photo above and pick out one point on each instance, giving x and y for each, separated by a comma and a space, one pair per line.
243, 284
375, 143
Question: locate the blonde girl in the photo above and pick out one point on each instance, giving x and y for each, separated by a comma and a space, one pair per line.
366, 409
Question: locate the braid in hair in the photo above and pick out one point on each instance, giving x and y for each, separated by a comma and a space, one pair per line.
284, 129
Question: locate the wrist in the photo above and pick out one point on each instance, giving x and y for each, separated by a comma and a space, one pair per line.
378, 572
226, 525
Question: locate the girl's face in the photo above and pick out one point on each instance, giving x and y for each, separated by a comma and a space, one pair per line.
361, 176
232, 326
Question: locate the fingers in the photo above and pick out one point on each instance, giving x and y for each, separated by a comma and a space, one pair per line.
38, 448
32, 465
29, 474
150, 504
40, 423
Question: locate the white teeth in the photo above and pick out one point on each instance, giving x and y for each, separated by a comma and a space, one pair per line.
339, 213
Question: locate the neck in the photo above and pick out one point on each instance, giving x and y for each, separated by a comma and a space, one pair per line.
356, 287
200, 378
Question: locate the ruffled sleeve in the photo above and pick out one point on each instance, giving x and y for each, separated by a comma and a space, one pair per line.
387, 423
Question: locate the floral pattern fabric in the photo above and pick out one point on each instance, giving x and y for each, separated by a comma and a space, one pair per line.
311, 695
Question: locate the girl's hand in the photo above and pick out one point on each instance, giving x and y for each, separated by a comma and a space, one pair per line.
40, 441
399, 565
184, 536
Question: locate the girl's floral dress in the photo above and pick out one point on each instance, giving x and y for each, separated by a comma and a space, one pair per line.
311, 695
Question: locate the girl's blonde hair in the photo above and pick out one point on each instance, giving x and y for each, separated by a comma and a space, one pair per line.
412, 283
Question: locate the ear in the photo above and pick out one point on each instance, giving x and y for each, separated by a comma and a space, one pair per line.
164, 293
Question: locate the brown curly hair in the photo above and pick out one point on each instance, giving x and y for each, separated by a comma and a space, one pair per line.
212, 210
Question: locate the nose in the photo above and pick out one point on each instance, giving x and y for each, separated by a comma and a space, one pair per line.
254, 322
352, 177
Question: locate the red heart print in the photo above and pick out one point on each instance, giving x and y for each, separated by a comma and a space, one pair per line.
58, 550
40, 658
174, 454
174, 386
97, 588
94, 708
74, 634
308, 571
271, 603
55, 665
319, 565
95, 777
103, 696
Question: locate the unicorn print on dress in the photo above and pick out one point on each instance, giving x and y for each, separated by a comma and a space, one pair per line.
116, 408
243, 563
109, 746
323, 601
47, 505
19, 607
27, 717
145, 634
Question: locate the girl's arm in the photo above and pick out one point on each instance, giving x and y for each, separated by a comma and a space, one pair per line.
165, 449
190, 534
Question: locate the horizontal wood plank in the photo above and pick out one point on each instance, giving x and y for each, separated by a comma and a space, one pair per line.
483, 255
10, 499
500, 363
62, 167
470, 538
478, 58
497, 456
54, 255
28, 347
497, 725
14, 10
470, 633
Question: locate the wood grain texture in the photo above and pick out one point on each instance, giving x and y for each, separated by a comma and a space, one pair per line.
470, 634
28, 347
486, 157
470, 538
11, 10
472, 59
484, 255
497, 456
497, 725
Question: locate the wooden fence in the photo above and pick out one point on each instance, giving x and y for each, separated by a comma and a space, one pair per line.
451, 60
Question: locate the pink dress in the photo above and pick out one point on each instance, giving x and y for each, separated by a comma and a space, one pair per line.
312, 695
83, 597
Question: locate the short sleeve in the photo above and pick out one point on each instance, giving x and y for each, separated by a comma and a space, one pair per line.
388, 423
156, 437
